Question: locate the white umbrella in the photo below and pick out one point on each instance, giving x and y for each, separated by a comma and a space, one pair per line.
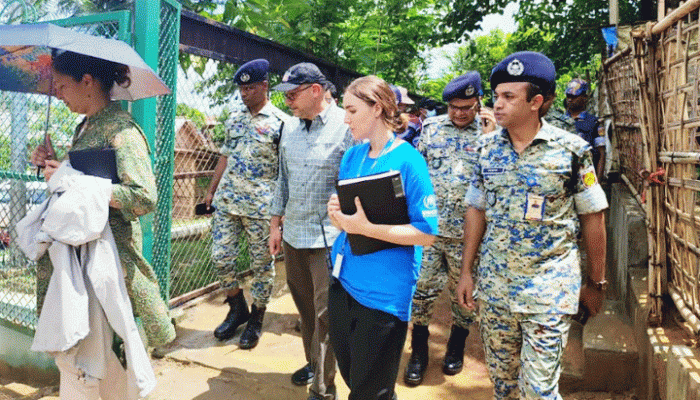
25, 54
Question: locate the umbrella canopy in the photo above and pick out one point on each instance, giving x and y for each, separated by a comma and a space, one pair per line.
25, 60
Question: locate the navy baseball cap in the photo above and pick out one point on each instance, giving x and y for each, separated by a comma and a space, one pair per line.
463, 87
300, 74
252, 72
576, 87
526, 66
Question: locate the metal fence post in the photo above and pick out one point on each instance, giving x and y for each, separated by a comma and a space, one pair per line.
145, 39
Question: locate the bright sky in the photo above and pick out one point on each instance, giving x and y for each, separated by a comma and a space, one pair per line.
505, 22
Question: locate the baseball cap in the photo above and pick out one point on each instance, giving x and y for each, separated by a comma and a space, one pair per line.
300, 74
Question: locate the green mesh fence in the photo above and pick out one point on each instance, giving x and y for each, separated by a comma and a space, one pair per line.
23, 121
204, 99
168, 39
198, 135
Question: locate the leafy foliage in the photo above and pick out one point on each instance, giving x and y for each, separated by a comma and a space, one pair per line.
382, 37
575, 25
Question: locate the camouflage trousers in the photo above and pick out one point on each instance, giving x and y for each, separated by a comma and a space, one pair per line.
442, 263
227, 231
523, 351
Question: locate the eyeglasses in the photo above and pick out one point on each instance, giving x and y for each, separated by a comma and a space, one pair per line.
474, 107
292, 94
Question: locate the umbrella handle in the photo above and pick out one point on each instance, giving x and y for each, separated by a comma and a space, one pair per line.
47, 137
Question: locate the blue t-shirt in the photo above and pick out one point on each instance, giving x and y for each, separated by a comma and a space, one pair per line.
386, 280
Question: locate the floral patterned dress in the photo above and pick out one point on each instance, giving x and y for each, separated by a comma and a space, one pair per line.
135, 196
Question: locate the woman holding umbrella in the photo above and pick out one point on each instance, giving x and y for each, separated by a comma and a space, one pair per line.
84, 84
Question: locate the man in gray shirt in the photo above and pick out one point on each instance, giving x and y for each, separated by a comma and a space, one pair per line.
311, 148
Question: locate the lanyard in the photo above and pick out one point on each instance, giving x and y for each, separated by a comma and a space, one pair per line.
386, 149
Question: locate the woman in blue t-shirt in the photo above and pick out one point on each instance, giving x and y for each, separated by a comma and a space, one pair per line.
369, 301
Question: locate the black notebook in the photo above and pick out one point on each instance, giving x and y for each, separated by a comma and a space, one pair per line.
382, 197
96, 162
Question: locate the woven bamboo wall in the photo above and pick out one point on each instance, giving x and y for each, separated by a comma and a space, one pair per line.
678, 65
623, 91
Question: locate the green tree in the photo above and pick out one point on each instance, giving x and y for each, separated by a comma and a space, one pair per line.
383, 37
574, 25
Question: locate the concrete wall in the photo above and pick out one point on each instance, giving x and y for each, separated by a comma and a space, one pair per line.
627, 239
19, 362
669, 363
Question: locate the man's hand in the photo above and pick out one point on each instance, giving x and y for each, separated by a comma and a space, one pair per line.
488, 120
592, 299
275, 240
465, 290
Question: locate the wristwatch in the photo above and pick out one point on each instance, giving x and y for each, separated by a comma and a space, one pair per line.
600, 286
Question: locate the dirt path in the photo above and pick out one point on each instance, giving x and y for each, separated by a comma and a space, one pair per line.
198, 367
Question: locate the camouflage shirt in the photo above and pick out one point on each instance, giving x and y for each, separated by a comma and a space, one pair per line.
136, 196
251, 145
561, 120
451, 155
529, 255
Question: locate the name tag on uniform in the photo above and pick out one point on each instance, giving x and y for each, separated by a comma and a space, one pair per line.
534, 209
493, 171
337, 265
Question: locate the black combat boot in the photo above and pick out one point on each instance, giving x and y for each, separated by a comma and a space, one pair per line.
454, 356
418, 362
237, 316
253, 329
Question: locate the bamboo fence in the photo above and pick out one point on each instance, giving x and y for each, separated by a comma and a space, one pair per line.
654, 91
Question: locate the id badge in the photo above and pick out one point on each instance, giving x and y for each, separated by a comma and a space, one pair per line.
337, 265
534, 209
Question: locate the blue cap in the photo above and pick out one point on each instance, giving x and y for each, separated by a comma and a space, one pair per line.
397, 93
463, 87
577, 87
252, 72
526, 66
300, 74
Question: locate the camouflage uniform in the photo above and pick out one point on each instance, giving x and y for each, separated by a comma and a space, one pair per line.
561, 120
136, 196
451, 154
243, 196
529, 274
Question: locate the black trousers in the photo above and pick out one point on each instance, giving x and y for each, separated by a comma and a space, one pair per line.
368, 344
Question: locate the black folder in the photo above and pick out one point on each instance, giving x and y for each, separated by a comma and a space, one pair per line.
96, 162
383, 198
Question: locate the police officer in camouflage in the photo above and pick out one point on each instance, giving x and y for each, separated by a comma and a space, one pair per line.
533, 190
241, 191
448, 144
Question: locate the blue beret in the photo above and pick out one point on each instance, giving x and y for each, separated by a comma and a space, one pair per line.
463, 87
526, 66
252, 71
576, 87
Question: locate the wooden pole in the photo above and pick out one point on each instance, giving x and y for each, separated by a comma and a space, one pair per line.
614, 12
677, 14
